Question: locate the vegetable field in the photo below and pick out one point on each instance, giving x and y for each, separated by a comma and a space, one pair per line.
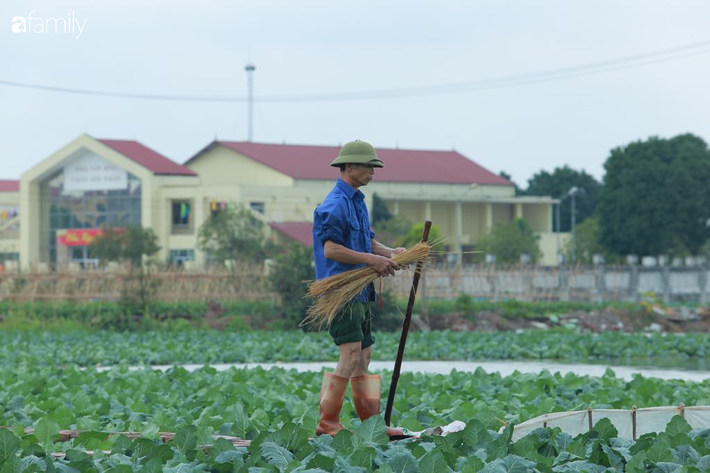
44, 388
277, 410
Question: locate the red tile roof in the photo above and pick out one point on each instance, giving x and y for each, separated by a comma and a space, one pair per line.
148, 158
313, 162
302, 232
7, 185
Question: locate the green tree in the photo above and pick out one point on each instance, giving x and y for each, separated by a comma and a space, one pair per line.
557, 184
655, 197
390, 231
289, 275
414, 235
235, 234
505, 175
507, 241
131, 244
587, 243
136, 246
380, 212
108, 246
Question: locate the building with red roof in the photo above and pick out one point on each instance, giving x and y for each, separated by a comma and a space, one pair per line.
58, 206
286, 182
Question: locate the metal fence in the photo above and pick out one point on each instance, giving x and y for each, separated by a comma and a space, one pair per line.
171, 284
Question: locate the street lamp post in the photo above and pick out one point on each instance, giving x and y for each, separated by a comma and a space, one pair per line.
573, 218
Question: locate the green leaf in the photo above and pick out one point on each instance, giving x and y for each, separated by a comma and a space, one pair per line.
92, 439
372, 432
510, 464
186, 439
605, 429
321, 461
404, 462
432, 462
342, 466
143, 447
220, 446
580, 465
231, 456
241, 424
666, 467
637, 464
46, 432
686, 455
151, 431
120, 469
475, 433
275, 455
659, 452
9, 445
12, 465
678, 425
363, 457
121, 443
153, 466
704, 463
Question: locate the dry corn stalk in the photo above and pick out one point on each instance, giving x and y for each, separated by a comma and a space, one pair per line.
333, 293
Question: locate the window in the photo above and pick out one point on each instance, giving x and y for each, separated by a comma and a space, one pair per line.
178, 257
181, 217
4, 257
217, 207
257, 206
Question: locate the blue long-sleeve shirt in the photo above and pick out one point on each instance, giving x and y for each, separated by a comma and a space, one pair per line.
343, 219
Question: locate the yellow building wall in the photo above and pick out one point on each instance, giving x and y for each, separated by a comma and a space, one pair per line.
549, 246
221, 166
501, 213
538, 216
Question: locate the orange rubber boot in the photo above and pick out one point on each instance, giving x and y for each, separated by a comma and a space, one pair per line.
366, 397
332, 393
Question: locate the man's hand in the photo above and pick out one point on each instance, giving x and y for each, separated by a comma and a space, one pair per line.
383, 265
398, 251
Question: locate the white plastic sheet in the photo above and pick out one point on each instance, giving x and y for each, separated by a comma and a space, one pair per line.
631, 424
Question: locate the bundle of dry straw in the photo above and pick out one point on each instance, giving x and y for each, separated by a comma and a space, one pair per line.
335, 292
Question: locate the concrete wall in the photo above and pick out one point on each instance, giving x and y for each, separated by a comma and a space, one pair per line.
591, 283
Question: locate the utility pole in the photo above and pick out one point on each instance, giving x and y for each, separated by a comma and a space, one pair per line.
250, 68
557, 221
573, 217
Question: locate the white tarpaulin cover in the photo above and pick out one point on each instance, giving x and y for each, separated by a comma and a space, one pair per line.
631, 424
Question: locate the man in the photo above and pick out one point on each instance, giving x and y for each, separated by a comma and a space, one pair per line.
343, 241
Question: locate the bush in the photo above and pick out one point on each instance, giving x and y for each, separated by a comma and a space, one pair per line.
390, 318
289, 276
464, 304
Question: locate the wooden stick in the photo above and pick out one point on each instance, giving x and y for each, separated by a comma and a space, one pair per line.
405, 330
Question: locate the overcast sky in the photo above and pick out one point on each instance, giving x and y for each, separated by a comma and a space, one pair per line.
305, 47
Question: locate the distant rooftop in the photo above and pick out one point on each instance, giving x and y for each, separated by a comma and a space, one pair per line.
9, 185
313, 162
302, 232
148, 158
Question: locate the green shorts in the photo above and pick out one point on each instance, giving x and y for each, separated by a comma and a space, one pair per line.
352, 324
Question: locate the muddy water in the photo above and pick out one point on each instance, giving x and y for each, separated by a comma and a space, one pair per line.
505, 368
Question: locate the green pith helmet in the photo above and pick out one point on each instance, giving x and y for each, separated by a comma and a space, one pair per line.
358, 152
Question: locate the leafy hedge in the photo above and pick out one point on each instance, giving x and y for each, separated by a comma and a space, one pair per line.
115, 315
199, 346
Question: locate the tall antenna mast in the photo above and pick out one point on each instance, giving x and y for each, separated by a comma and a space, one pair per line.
250, 84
